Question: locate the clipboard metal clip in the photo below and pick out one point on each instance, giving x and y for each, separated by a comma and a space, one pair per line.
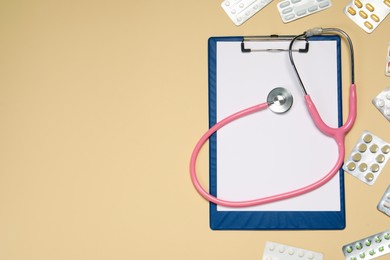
271, 38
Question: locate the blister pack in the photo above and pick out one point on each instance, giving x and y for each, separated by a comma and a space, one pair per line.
368, 14
240, 11
368, 248
368, 158
384, 203
382, 103
291, 10
276, 251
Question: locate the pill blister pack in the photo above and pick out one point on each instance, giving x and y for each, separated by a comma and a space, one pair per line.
276, 251
291, 10
241, 10
384, 203
382, 103
387, 67
368, 158
368, 14
368, 248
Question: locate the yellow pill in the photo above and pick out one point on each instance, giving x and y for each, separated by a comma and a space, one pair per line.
385, 149
351, 10
357, 157
358, 3
374, 167
387, 2
374, 148
380, 158
362, 148
363, 14
351, 166
375, 18
368, 25
370, 7
369, 176
367, 138
363, 167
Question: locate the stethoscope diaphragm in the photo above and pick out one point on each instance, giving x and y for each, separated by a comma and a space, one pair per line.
280, 100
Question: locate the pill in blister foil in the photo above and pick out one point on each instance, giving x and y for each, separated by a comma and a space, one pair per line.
276, 251
291, 10
240, 11
368, 14
368, 158
384, 203
382, 103
368, 248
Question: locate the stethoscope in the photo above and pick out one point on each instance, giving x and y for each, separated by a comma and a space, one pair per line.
280, 100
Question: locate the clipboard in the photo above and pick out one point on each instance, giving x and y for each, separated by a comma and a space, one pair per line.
265, 153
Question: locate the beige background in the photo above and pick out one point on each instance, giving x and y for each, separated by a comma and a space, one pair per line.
101, 103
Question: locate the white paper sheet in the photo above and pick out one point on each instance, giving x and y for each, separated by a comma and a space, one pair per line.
266, 153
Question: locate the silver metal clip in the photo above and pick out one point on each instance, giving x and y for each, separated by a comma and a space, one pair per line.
271, 38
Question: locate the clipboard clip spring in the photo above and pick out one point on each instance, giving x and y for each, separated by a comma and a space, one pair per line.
271, 38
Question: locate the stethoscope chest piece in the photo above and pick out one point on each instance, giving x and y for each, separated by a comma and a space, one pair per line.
280, 100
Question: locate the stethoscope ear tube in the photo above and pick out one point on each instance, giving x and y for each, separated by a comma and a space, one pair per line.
337, 133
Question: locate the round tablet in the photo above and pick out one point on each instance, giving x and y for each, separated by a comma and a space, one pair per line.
387, 111
380, 158
385, 149
356, 157
374, 148
363, 167
374, 167
351, 166
369, 176
380, 103
362, 147
367, 138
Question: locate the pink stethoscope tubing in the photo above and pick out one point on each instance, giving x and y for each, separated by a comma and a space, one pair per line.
338, 134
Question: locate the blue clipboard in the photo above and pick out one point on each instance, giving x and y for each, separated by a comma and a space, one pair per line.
240, 75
